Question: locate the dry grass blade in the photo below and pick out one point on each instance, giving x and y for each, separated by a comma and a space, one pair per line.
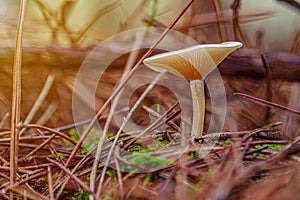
122, 85
16, 97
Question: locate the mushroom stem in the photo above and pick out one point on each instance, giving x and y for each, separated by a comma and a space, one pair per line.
198, 99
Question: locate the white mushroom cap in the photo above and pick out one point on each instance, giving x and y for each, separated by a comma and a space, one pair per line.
192, 63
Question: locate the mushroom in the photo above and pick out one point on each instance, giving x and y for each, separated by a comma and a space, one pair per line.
194, 64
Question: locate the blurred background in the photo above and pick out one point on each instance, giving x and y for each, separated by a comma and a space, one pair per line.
59, 34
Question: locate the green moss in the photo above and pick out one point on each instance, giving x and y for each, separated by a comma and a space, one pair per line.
257, 179
55, 176
110, 173
146, 160
261, 155
274, 147
44, 178
61, 156
148, 178
107, 197
193, 154
224, 143
138, 148
80, 195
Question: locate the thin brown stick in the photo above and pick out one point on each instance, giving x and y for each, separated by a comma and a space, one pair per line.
64, 183
52, 149
72, 176
38, 147
119, 173
50, 184
33, 177
16, 97
33, 167
157, 115
267, 103
150, 127
122, 85
27, 138
51, 131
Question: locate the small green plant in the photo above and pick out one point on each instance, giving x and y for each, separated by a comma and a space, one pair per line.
74, 134
193, 154
44, 178
260, 155
110, 135
159, 143
146, 160
89, 143
110, 173
148, 178
81, 195
224, 143
99, 171
55, 176
107, 197
84, 150
61, 156
138, 148
257, 179
274, 147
